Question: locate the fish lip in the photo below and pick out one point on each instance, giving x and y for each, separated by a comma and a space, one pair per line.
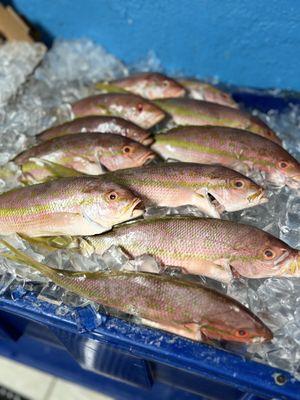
147, 158
294, 182
137, 208
292, 268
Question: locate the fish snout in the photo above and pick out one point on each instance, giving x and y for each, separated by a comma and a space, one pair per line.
294, 182
137, 208
294, 266
259, 197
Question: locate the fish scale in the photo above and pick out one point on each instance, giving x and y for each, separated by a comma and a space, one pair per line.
176, 184
175, 305
233, 148
101, 124
69, 206
186, 111
203, 246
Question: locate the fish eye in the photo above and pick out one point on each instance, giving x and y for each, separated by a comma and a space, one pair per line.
269, 254
112, 196
239, 183
241, 333
126, 149
283, 164
140, 107
165, 83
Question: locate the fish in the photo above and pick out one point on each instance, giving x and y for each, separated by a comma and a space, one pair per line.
213, 189
200, 90
186, 111
237, 149
164, 300
129, 106
68, 206
150, 85
215, 248
101, 124
87, 153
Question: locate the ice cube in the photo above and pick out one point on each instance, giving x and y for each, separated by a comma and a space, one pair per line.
6, 279
52, 294
114, 257
62, 310
17, 61
18, 291
143, 263
91, 264
88, 319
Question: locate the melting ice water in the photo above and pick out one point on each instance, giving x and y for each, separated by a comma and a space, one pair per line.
64, 76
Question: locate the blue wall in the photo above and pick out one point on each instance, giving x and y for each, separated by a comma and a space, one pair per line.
244, 42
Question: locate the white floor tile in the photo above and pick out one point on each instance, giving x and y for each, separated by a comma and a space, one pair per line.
26, 381
68, 391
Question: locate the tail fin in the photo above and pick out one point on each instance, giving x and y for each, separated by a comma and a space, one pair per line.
23, 258
53, 243
109, 88
52, 273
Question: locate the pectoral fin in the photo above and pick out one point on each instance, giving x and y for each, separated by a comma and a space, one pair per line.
212, 269
190, 330
57, 170
61, 224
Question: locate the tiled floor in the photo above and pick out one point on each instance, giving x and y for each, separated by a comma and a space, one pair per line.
37, 385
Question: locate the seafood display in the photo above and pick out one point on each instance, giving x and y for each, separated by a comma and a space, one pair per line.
101, 124
199, 90
89, 153
108, 235
212, 189
238, 149
186, 111
214, 248
68, 206
131, 107
162, 299
150, 85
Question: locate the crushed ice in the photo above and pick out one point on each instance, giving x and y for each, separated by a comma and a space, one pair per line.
65, 74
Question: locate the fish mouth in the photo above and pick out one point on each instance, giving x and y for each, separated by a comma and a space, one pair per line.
147, 158
258, 197
294, 182
292, 267
137, 208
266, 336
215, 203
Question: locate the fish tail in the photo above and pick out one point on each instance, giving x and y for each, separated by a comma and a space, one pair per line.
109, 88
20, 256
6, 172
52, 243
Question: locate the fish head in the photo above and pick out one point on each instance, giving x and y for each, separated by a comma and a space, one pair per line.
125, 153
237, 324
270, 257
160, 86
146, 114
286, 171
237, 192
111, 204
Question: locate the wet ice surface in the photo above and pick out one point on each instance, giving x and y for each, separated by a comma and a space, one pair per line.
17, 61
65, 75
